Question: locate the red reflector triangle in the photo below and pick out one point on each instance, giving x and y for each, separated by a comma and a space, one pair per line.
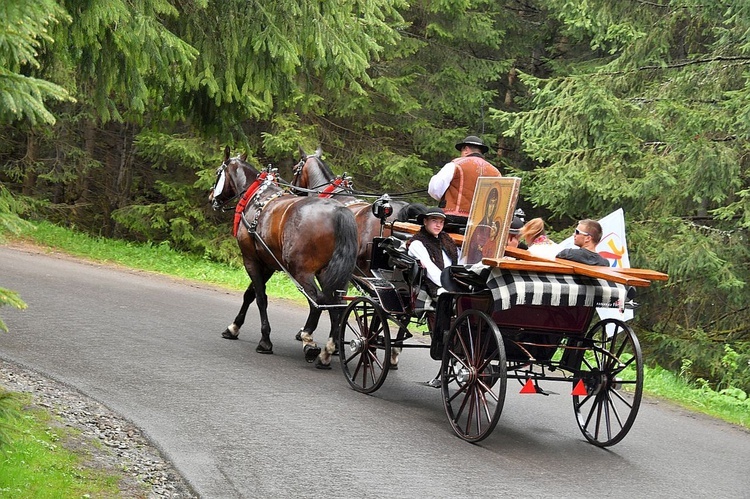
528, 387
580, 389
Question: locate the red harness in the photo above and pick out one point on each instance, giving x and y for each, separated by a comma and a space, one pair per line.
328, 191
240, 208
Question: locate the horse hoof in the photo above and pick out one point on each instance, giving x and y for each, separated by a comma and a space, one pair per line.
320, 365
311, 352
298, 336
264, 349
393, 367
227, 334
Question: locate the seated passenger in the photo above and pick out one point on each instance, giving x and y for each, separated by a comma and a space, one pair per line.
433, 247
514, 234
538, 243
587, 235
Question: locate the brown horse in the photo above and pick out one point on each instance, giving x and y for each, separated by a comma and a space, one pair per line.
309, 238
315, 178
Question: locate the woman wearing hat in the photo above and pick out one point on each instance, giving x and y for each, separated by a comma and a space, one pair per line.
433, 247
455, 183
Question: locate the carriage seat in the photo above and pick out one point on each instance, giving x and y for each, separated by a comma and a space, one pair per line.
390, 253
398, 275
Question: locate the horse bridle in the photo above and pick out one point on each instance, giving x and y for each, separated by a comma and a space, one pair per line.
216, 205
299, 166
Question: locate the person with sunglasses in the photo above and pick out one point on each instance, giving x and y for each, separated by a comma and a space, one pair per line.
586, 236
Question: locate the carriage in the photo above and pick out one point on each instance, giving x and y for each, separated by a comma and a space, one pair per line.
524, 319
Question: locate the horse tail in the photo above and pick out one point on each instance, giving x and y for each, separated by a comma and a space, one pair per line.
344, 258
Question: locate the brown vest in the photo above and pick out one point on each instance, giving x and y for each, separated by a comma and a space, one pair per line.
460, 193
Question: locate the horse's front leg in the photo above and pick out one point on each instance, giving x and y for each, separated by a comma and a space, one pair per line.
233, 330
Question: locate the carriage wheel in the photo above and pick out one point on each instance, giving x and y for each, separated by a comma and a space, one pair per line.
613, 362
474, 376
364, 345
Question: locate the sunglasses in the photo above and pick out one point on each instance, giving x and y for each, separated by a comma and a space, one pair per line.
581, 232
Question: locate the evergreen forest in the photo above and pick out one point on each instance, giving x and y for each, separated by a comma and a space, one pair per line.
114, 115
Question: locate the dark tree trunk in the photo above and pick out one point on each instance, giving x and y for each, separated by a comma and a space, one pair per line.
29, 162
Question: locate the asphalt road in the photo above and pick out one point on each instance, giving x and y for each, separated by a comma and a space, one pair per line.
239, 424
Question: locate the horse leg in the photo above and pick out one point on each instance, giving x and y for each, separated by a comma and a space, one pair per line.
259, 277
309, 347
264, 345
403, 334
324, 359
233, 330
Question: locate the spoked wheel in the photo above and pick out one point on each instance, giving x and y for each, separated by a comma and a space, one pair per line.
612, 372
364, 345
474, 376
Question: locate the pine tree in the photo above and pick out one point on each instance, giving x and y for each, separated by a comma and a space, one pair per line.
25, 26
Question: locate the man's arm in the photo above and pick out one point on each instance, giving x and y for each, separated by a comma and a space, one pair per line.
440, 182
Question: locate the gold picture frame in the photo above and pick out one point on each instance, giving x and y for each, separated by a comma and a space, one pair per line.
489, 219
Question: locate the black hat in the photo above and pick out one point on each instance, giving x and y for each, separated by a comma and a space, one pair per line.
516, 226
472, 140
431, 212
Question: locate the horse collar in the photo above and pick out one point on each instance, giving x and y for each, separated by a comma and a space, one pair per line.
338, 182
330, 188
259, 185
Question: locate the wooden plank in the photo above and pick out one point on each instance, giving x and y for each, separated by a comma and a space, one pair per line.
651, 275
606, 273
527, 265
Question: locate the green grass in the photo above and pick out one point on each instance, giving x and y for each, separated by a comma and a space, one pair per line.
34, 461
160, 259
732, 405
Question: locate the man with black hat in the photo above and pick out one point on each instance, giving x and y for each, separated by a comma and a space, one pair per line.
455, 183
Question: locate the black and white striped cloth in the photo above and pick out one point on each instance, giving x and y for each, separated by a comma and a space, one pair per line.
511, 288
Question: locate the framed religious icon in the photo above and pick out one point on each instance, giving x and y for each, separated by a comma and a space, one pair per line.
489, 219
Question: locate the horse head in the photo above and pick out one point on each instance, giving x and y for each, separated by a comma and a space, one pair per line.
232, 178
312, 172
